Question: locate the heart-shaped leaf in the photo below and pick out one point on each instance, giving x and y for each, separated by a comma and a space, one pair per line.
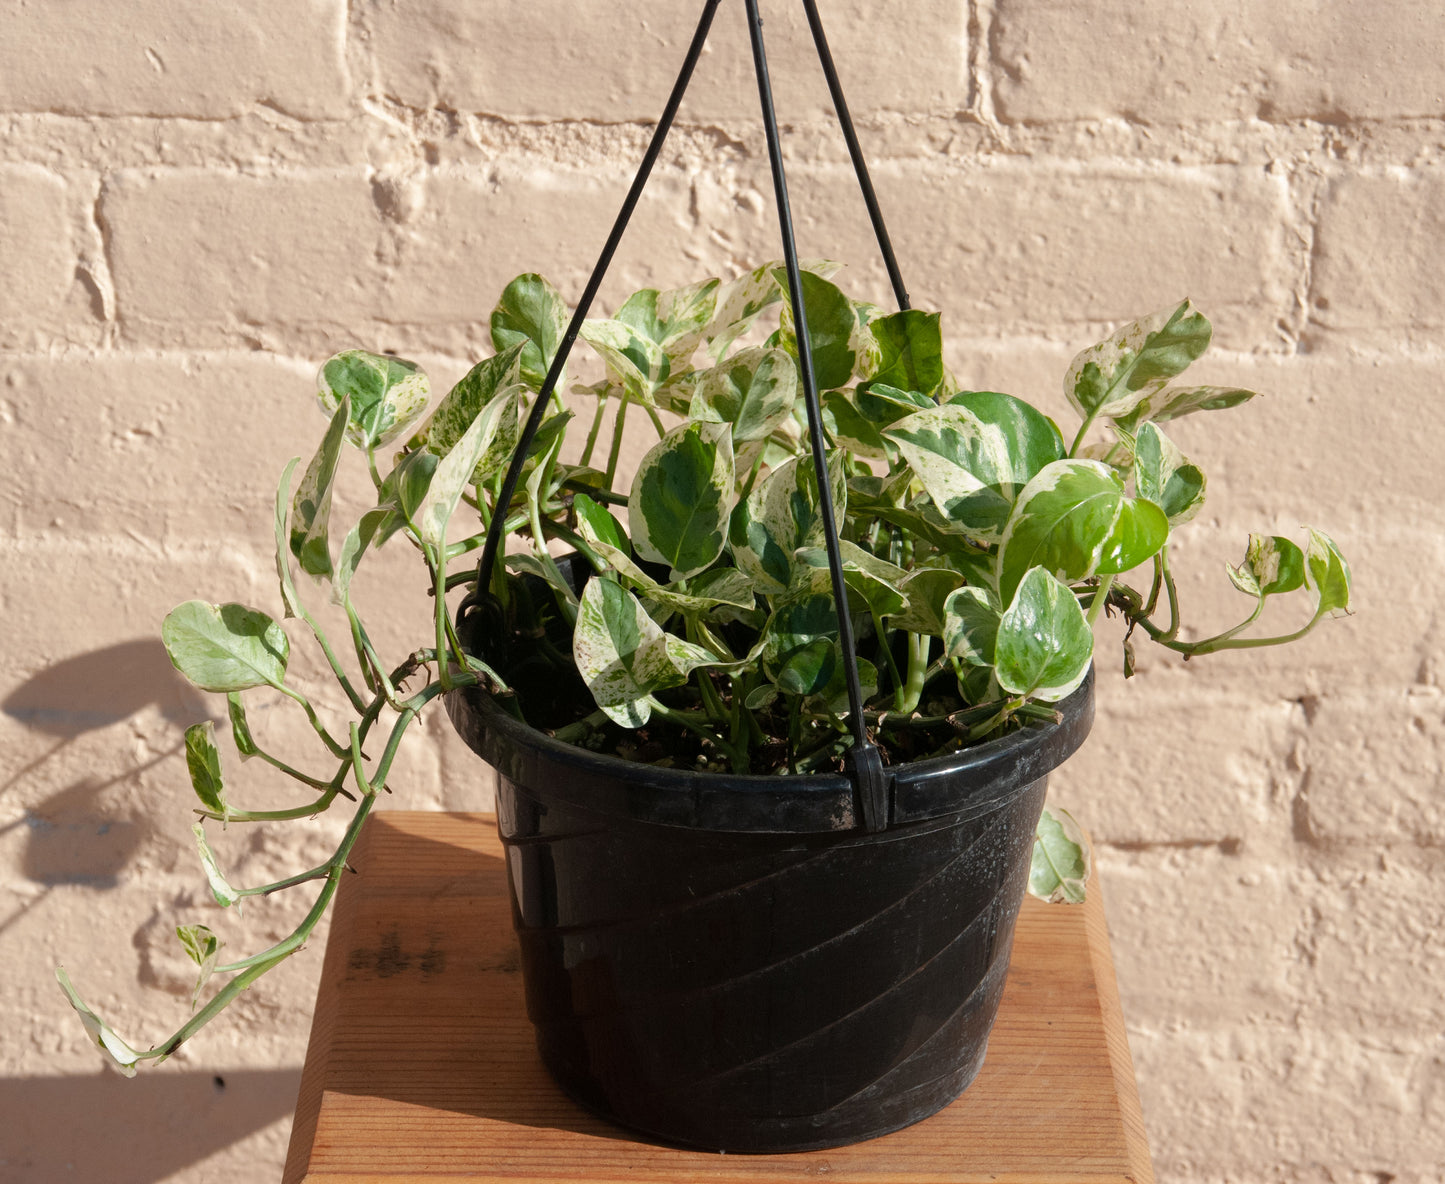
532, 316
621, 652
386, 394
226, 647
1059, 869
754, 391
495, 380
781, 517
682, 497
1114, 376
1044, 642
1272, 564
1329, 574
976, 454
1075, 521
910, 351
970, 629
831, 323
203, 762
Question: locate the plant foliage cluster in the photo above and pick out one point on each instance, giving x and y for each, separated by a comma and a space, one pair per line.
980, 542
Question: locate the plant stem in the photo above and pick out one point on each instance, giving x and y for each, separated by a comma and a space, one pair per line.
907, 697
617, 425
686, 720
1101, 596
336, 749
586, 458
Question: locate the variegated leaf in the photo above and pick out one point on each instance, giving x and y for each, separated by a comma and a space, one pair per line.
1115, 375
754, 391
1164, 477
531, 316
832, 697
1174, 401
1059, 869
1044, 644
495, 380
682, 497
975, 455
781, 517
1075, 521
621, 652
225, 647
121, 1054
220, 889
910, 351
311, 508
633, 360
970, 629
741, 301
203, 762
1272, 564
1329, 575
675, 319
387, 395
878, 583
927, 590
454, 472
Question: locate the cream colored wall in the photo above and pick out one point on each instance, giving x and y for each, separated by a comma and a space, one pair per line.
199, 202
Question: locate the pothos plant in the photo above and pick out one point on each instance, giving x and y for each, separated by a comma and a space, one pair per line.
688, 618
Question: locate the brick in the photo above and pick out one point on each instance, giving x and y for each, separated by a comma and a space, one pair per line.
1024, 247
1223, 59
211, 62
1275, 1102
1374, 769
552, 59
1380, 255
306, 261
37, 254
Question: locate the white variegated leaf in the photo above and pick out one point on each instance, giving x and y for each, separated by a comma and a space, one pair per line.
1114, 376
682, 498
1044, 644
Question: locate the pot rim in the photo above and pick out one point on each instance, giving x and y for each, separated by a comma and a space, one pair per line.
966, 782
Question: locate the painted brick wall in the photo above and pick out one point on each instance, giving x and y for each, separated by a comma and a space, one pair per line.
200, 202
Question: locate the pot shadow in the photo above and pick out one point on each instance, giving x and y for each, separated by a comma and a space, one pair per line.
424, 974
142, 1131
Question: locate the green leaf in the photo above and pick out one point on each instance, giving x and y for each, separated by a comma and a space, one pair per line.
682, 497
1060, 866
830, 329
970, 630
225, 895
975, 455
1114, 376
121, 1053
910, 351
1075, 521
621, 652
754, 391
387, 395
832, 697
850, 427
454, 473
1329, 575
809, 668
927, 590
717, 587
599, 520
781, 517
1164, 477
532, 317
226, 647
1044, 643
795, 625
204, 949
676, 319
1272, 564
739, 304
495, 381
311, 509
240, 728
203, 761
1174, 401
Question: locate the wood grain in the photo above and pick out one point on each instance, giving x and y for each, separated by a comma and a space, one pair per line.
421, 1066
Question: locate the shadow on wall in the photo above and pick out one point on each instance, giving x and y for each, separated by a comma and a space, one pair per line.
75, 837
107, 1129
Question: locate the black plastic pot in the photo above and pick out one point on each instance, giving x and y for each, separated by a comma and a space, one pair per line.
732, 963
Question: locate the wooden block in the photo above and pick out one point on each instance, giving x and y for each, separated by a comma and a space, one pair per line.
422, 1067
